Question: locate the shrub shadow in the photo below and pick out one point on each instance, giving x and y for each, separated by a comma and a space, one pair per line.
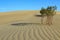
39, 15
23, 24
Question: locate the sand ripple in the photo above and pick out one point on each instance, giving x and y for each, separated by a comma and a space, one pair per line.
30, 32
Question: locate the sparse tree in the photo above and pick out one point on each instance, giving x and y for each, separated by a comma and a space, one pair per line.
49, 12
43, 12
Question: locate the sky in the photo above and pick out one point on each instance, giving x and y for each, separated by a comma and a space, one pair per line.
13, 5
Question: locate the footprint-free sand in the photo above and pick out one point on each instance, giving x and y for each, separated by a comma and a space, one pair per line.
24, 25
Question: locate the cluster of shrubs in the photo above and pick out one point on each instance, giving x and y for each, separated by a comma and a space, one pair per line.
50, 11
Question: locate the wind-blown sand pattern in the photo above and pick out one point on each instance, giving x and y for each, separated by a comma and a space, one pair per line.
28, 29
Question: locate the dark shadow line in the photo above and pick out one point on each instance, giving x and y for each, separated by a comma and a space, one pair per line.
22, 24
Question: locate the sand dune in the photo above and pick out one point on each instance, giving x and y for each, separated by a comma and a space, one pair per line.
28, 27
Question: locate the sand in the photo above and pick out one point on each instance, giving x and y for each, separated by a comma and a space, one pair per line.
26, 26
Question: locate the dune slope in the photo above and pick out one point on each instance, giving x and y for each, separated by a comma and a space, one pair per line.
28, 27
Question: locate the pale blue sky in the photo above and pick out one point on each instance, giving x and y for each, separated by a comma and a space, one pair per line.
13, 5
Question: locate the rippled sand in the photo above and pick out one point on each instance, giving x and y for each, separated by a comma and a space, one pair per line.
28, 29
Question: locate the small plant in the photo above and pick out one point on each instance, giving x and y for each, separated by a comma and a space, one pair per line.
50, 11
43, 12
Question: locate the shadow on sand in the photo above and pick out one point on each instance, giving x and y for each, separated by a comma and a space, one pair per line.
39, 15
23, 24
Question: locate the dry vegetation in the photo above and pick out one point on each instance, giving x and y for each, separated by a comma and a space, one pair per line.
29, 27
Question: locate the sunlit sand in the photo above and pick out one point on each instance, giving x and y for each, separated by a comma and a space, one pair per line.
24, 25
